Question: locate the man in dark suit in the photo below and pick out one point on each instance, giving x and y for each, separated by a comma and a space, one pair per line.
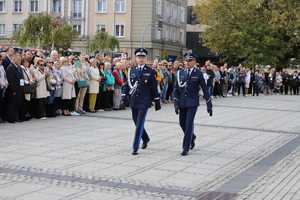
7, 60
141, 90
15, 90
186, 96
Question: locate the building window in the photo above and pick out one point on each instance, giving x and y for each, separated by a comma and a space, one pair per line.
77, 8
120, 6
182, 37
2, 5
17, 5
34, 6
17, 28
102, 6
119, 31
158, 7
182, 14
2, 29
77, 28
158, 33
100, 28
56, 6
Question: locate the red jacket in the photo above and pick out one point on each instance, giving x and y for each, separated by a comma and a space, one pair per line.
118, 80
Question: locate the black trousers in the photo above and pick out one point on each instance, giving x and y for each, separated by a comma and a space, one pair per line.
14, 106
186, 120
2, 105
27, 110
108, 99
241, 85
58, 103
41, 108
255, 90
169, 92
69, 104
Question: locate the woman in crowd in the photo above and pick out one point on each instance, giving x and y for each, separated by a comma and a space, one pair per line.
94, 77
241, 80
29, 89
3, 86
247, 80
278, 83
83, 80
51, 86
57, 73
119, 81
41, 93
100, 98
108, 87
68, 96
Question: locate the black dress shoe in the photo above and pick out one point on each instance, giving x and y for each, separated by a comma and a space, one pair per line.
145, 145
193, 143
135, 153
184, 153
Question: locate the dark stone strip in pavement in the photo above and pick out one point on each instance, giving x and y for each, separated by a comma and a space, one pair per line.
216, 196
257, 108
204, 125
244, 179
146, 188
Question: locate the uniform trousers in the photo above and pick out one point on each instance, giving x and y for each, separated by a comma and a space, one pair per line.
186, 119
139, 117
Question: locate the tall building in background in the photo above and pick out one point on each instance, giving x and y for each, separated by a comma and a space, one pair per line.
158, 25
194, 33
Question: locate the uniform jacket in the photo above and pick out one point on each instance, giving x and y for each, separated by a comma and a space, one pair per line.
146, 91
187, 88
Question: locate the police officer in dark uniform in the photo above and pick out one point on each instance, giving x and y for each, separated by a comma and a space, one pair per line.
140, 91
186, 96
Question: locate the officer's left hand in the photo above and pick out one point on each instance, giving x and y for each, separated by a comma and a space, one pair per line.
157, 105
209, 108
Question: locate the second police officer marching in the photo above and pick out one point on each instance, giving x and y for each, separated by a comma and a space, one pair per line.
186, 96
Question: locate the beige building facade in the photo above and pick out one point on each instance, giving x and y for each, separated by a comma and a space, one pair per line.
158, 25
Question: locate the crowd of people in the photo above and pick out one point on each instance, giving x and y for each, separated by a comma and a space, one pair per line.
36, 85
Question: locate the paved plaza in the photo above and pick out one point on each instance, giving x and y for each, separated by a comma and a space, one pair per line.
249, 149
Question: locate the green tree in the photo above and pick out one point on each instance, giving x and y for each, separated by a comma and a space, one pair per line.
252, 31
44, 31
103, 42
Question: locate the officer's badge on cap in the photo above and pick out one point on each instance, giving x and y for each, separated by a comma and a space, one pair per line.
189, 56
141, 52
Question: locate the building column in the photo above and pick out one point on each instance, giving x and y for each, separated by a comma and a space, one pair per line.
62, 14
86, 19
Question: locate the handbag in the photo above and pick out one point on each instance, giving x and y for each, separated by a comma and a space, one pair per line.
82, 83
30, 88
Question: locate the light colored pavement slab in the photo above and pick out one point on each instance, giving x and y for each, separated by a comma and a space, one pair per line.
89, 157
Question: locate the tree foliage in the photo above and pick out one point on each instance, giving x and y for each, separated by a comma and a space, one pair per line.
103, 42
44, 31
252, 31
